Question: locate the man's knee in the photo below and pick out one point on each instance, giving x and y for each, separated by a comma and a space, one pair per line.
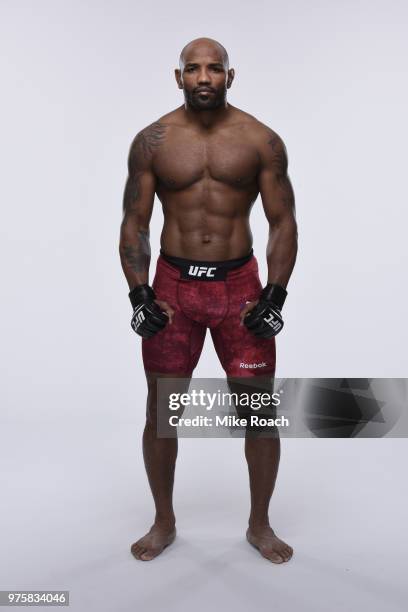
253, 398
159, 388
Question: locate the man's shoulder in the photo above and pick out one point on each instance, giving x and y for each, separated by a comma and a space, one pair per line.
263, 133
148, 138
268, 142
174, 117
159, 126
260, 134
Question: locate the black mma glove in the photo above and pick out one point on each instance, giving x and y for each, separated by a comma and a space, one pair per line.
265, 319
147, 317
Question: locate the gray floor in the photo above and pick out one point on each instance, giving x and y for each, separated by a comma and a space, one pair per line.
75, 498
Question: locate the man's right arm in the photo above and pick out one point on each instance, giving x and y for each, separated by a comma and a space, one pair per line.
134, 245
149, 314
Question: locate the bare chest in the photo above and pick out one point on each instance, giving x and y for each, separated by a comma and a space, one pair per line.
185, 159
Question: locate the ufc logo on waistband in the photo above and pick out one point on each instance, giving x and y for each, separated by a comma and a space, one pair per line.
201, 271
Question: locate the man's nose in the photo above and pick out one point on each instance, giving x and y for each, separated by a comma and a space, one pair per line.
204, 77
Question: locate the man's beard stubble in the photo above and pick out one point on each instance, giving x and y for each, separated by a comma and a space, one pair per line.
215, 101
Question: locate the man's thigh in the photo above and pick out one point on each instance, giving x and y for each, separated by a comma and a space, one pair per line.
240, 352
175, 349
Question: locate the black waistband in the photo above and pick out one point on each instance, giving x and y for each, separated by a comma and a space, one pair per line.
205, 270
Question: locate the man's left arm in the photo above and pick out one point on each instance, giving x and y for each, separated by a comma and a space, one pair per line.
278, 202
263, 317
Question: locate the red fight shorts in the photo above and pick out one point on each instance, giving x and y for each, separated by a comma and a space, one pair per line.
207, 295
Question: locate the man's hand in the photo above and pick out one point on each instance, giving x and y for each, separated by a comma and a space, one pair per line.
263, 317
149, 315
247, 308
167, 309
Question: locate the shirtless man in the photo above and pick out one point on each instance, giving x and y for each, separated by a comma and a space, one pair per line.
207, 161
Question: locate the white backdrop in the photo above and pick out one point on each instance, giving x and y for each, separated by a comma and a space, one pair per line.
79, 79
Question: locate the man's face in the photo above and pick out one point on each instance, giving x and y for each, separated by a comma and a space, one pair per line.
204, 78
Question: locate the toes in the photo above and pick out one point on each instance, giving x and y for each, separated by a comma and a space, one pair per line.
287, 553
277, 555
137, 550
148, 555
134, 549
270, 554
273, 556
272, 548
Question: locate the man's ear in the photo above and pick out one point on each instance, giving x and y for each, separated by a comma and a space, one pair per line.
231, 74
177, 74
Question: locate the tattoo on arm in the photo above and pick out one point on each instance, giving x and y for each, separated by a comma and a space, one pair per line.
132, 191
141, 150
150, 138
282, 243
137, 256
134, 242
280, 164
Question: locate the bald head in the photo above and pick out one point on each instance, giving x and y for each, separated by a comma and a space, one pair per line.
204, 46
204, 74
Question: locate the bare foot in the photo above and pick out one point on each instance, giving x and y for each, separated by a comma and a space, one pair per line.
153, 543
268, 544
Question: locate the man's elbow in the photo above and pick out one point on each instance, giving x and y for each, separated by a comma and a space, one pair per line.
285, 224
128, 233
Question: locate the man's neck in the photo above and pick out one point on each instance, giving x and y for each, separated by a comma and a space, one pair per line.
207, 118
